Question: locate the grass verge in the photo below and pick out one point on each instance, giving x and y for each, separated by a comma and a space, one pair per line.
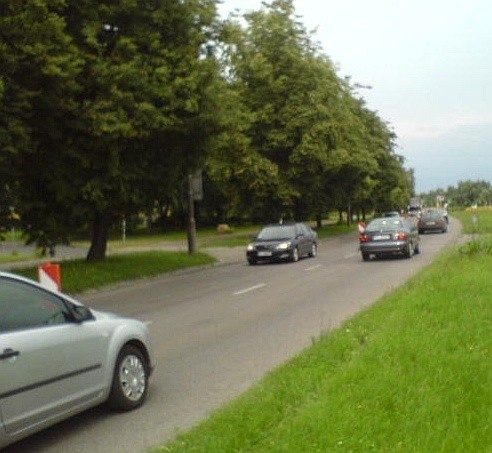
412, 373
80, 275
475, 221
14, 257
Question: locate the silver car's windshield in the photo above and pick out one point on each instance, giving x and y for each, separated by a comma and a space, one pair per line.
388, 223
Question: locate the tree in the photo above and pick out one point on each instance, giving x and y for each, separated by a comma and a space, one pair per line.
120, 116
38, 77
307, 144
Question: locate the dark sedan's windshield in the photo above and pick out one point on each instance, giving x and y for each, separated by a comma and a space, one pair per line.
277, 232
431, 216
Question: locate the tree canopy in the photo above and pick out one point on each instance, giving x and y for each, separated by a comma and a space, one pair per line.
106, 107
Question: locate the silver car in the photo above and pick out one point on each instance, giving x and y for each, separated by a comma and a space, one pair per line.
58, 358
390, 236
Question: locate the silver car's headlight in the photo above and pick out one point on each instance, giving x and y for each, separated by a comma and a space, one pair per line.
284, 246
250, 248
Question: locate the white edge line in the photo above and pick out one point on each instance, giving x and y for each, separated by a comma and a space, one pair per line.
251, 288
313, 267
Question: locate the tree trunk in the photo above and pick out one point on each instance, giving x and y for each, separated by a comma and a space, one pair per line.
319, 222
99, 239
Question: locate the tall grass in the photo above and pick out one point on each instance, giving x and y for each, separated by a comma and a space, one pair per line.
412, 373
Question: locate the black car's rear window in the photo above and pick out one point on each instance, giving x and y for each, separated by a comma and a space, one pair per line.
431, 216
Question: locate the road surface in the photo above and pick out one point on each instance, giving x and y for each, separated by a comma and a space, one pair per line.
219, 329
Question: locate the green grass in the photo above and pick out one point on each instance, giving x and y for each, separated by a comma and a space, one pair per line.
475, 221
412, 373
208, 237
16, 257
79, 275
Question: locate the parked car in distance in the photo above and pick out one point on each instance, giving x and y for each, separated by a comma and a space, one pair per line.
288, 241
390, 236
58, 358
433, 220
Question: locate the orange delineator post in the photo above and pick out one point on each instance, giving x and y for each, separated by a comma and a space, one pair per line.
50, 276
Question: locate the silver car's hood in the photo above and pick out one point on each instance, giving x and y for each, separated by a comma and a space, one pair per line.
105, 314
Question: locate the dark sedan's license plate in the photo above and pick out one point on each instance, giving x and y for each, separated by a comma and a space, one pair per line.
381, 237
264, 253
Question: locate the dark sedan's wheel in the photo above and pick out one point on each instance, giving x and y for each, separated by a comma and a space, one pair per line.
416, 250
365, 256
130, 380
409, 251
251, 261
294, 256
314, 250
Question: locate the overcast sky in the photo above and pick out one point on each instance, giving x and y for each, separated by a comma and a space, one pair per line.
429, 63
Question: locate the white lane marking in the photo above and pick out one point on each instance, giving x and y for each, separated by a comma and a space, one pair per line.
313, 267
251, 288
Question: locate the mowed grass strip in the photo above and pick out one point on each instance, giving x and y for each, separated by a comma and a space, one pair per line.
475, 221
79, 275
412, 373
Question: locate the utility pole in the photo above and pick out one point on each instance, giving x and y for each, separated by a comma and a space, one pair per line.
191, 217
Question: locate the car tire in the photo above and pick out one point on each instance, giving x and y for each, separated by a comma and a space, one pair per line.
294, 257
130, 380
409, 251
416, 250
251, 261
314, 250
365, 256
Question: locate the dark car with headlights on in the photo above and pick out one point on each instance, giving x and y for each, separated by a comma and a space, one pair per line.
433, 221
288, 241
58, 358
390, 236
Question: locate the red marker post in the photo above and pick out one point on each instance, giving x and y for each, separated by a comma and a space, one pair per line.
362, 230
50, 276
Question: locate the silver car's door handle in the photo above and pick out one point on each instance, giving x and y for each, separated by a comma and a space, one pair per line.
8, 354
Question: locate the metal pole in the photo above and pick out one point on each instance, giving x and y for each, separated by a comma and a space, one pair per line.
123, 230
192, 248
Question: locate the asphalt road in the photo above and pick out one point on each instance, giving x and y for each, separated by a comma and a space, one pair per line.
219, 329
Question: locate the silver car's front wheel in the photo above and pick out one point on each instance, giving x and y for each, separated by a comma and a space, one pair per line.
130, 380
294, 255
314, 250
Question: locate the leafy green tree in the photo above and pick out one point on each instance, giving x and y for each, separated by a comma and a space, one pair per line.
38, 79
306, 143
108, 107
281, 87
469, 193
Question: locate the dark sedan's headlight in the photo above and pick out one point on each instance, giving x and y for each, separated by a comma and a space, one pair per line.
250, 247
284, 245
